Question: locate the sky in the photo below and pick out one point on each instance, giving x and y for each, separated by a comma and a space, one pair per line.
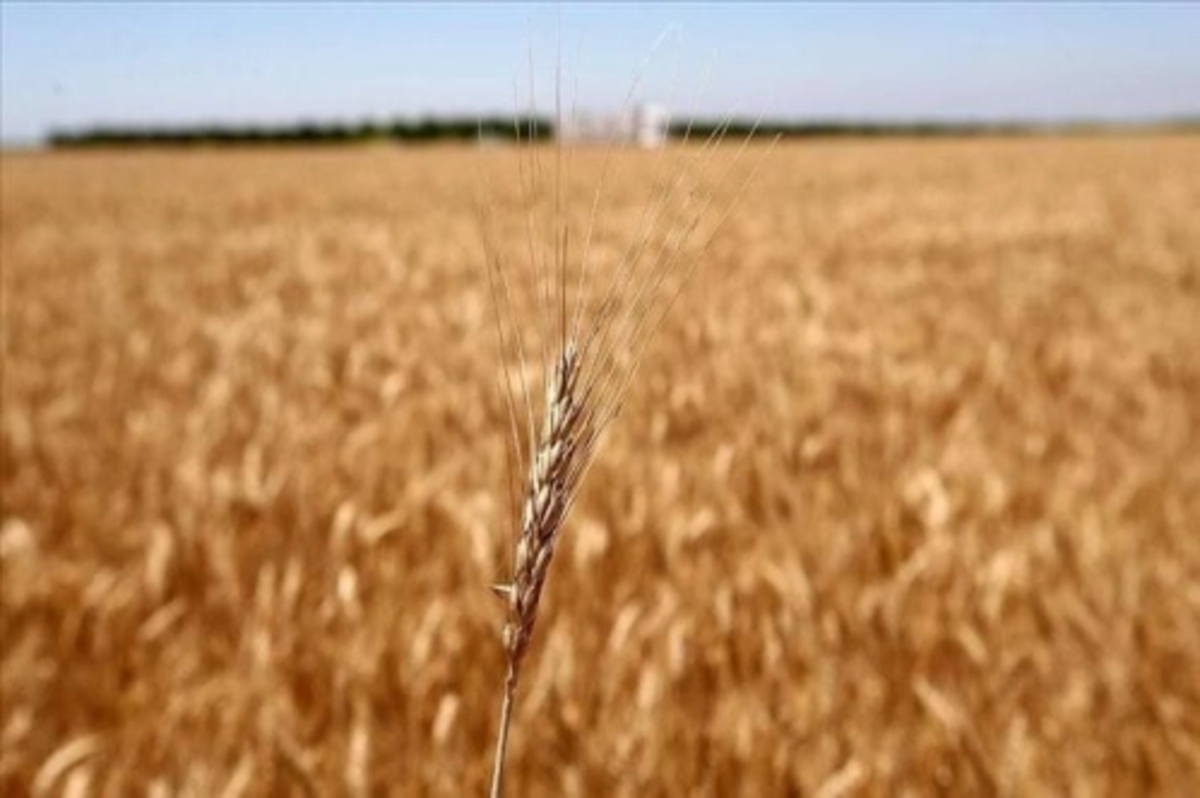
78, 64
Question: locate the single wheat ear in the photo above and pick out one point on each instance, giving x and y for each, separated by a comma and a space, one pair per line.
552, 479
555, 468
591, 322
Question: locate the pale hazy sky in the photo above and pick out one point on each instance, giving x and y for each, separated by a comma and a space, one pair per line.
77, 64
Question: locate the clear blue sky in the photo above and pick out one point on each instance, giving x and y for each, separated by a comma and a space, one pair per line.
76, 64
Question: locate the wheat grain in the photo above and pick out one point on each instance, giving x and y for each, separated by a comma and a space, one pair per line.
552, 481
585, 382
597, 347
859, 277
553, 478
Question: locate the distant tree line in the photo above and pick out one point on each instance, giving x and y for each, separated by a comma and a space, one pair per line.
523, 128
533, 128
699, 130
741, 128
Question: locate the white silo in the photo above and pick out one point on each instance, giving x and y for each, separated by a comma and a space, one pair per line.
651, 124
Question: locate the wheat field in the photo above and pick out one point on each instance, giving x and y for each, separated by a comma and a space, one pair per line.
905, 499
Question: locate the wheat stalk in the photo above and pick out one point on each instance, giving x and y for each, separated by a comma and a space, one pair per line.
589, 360
584, 388
556, 467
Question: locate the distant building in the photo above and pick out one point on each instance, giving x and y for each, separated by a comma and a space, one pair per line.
648, 126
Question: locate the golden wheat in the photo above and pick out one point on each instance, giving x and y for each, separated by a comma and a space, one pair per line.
554, 475
905, 501
589, 353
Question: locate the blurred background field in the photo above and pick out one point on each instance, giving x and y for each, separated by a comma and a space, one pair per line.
904, 501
